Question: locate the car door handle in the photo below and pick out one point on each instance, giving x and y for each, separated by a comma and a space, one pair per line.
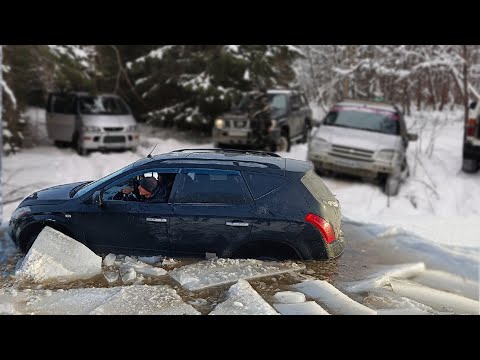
237, 224
157, 220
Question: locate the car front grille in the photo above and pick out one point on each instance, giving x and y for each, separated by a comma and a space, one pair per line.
113, 129
352, 153
113, 139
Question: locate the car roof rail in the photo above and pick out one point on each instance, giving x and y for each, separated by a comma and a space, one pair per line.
246, 152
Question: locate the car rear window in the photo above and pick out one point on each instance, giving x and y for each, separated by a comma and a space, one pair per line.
317, 187
261, 184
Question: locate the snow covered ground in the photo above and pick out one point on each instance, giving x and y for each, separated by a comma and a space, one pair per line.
435, 219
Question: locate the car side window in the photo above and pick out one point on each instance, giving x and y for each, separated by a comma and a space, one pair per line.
127, 188
216, 187
262, 184
63, 104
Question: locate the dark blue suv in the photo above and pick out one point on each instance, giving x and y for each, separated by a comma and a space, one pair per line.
237, 204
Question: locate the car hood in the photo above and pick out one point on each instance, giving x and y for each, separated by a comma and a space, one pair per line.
52, 195
359, 139
108, 120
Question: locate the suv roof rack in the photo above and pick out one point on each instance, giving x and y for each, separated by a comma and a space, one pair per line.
246, 152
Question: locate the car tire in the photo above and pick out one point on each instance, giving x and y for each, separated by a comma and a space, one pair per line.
306, 130
392, 185
470, 166
282, 144
29, 240
78, 146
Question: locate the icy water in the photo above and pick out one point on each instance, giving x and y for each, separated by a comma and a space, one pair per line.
365, 251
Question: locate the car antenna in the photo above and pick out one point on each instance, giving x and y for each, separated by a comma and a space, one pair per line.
150, 155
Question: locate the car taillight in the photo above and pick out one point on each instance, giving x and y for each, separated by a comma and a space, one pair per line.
325, 228
471, 127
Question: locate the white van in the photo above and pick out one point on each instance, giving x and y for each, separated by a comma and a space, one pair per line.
91, 122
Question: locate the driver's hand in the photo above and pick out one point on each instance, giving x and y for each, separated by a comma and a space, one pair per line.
127, 190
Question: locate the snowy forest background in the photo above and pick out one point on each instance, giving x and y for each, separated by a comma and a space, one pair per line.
187, 86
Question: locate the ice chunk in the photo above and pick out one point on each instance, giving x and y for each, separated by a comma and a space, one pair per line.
128, 274
332, 298
146, 300
111, 276
388, 302
57, 257
305, 308
449, 282
439, 300
131, 300
289, 297
109, 260
151, 260
206, 274
384, 276
169, 262
150, 271
242, 299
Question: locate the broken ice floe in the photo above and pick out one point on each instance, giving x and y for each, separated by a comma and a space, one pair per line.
206, 274
242, 299
306, 308
383, 277
437, 299
57, 257
336, 302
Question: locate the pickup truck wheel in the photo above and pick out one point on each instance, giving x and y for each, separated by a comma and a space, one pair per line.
470, 165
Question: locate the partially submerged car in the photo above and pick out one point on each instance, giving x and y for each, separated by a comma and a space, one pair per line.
238, 204
365, 139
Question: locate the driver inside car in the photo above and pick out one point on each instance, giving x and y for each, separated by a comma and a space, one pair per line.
149, 189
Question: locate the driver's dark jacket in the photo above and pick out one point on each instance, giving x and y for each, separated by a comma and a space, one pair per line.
160, 195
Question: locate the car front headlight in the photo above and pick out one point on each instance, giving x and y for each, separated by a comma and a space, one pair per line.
386, 155
220, 124
21, 212
92, 129
319, 144
132, 128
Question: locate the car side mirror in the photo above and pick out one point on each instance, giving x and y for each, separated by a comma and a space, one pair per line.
295, 107
412, 137
473, 105
98, 198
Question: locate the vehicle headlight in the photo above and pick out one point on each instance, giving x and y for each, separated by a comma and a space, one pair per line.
20, 212
220, 123
319, 144
132, 128
92, 129
386, 155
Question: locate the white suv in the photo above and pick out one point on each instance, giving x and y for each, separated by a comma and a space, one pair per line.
362, 138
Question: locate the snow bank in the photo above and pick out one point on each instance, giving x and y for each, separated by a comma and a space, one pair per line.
57, 257
332, 298
242, 299
210, 273
439, 300
384, 276
306, 308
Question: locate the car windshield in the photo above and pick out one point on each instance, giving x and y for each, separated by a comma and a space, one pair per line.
278, 103
102, 105
380, 121
90, 186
